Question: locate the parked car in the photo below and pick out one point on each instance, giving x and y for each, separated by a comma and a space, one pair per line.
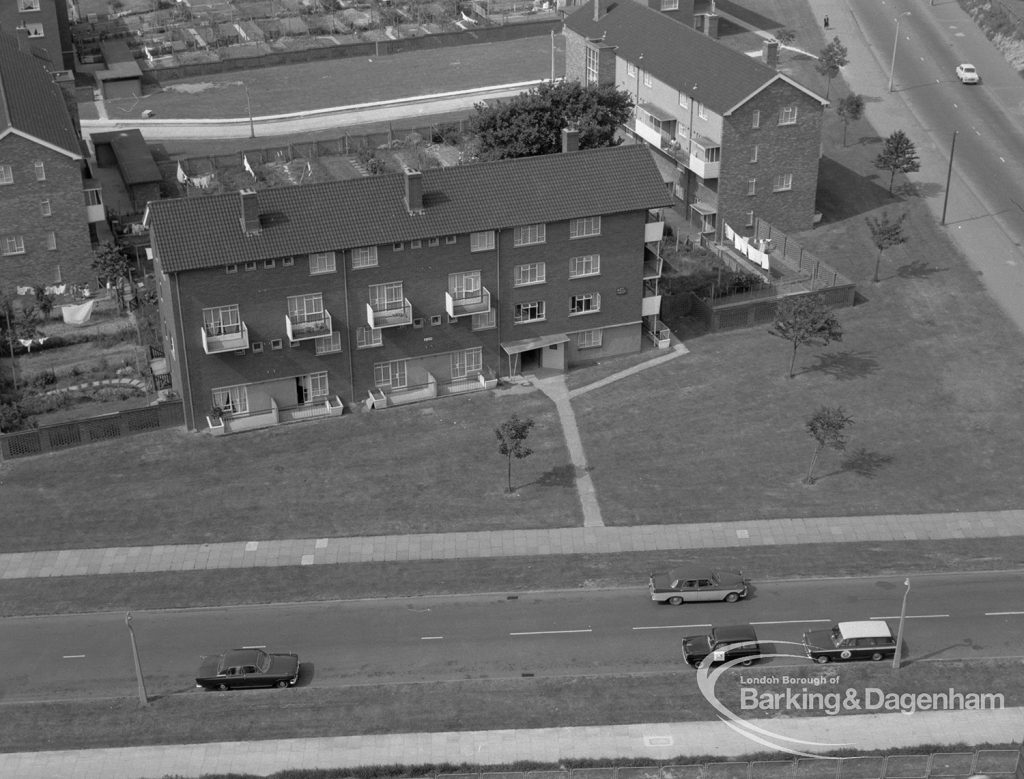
967, 74
866, 640
697, 583
723, 643
248, 668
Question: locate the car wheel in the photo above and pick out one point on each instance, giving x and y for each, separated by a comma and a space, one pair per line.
674, 601
877, 656
821, 659
222, 687
283, 683
846, 654
732, 597
747, 661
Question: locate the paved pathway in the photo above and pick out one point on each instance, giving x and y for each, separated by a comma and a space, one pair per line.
511, 543
647, 742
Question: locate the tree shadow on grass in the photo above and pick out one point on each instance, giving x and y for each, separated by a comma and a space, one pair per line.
844, 365
865, 463
559, 476
918, 269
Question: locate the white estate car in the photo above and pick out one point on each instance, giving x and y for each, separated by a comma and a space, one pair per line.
967, 74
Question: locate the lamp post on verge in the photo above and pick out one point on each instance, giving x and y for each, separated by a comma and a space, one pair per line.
552, 56
248, 107
899, 631
892, 67
949, 176
143, 698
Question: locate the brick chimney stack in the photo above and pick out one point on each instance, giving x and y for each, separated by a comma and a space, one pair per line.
413, 191
250, 216
597, 10
570, 139
770, 54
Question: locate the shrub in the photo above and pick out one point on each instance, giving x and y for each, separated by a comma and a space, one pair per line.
447, 133
45, 404
44, 379
11, 417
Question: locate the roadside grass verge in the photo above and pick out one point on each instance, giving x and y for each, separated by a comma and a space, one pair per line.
537, 702
249, 586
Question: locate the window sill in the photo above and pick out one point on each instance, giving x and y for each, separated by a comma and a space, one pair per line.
528, 284
584, 313
530, 321
585, 276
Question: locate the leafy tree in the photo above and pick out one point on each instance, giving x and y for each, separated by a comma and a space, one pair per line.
512, 435
805, 319
785, 36
531, 123
111, 262
44, 300
898, 156
850, 109
831, 59
826, 427
885, 232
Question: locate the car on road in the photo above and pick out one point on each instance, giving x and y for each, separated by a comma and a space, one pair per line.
697, 583
723, 643
248, 667
865, 640
967, 74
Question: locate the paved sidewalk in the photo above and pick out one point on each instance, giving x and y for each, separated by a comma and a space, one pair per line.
647, 742
510, 543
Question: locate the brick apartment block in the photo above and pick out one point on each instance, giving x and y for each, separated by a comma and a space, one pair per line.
292, 302
46, 204
735, 138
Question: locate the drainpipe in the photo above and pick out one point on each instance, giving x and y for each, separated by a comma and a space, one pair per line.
348, 328
186, 384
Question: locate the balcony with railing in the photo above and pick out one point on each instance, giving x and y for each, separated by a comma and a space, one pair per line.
650, 305
302, 327
225, 338
652, 264
389, 315
382, 397
475, 303
704, 157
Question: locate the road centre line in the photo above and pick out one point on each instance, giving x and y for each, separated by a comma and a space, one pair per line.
915, 616
431, 638
1003, 613
255, 646
790, 622
73, 657
549, 632
671, 627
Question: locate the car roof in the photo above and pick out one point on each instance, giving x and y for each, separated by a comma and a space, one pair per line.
238, 657
735, 633
692, 572
966, 66
869, 628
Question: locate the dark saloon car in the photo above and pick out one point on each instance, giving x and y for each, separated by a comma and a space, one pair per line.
723, 643
697, 583
866, 640
248, 668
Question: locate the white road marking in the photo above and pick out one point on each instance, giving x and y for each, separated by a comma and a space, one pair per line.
73, 657
549, 632
1003, 613
256, 646
671, 627
915, 616
790, 621
431, 638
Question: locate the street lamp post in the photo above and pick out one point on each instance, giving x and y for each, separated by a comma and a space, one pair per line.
949, 177
143, 698
899, 631
892, 67
248, 107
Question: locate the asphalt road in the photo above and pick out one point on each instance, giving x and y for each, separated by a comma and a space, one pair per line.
977, 615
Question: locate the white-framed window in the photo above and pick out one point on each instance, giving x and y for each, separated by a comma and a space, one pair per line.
28, 5
750, 218
233, 268
364, 257
449, 239
276, 344
585, 227
587, 265
753, 152
328, 344
648, 81
51, 241
314, 385
587, 303
751, 187
787, 115
683, 101
702, 111
268, 264
416, 243
482, 241
222, 320
531, 273
40, 169
34, 30
13, 244
631, 70
231, 400
387, 297
250, 266
367, 338
591, 65
588, 339
322, 262
393, 374
433, 242
398, 246
755, 120
782, 182
287, 262
303, 309
6, 174
44, 208
528, 312
257, 347
464, 285
669, 5
527, 235
488, 320
467, 362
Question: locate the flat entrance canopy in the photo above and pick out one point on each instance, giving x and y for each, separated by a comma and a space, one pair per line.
528, 344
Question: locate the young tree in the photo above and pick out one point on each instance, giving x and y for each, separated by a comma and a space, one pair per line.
885, 232
111, 262
512, 435
826, 427
531, 123
898, 156
785, 36
849, 109
805, 319
831, 59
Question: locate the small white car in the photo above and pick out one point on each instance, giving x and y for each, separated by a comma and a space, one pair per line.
967, 74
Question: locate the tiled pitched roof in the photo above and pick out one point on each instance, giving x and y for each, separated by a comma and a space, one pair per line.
30, 102
675, 54
205, 232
